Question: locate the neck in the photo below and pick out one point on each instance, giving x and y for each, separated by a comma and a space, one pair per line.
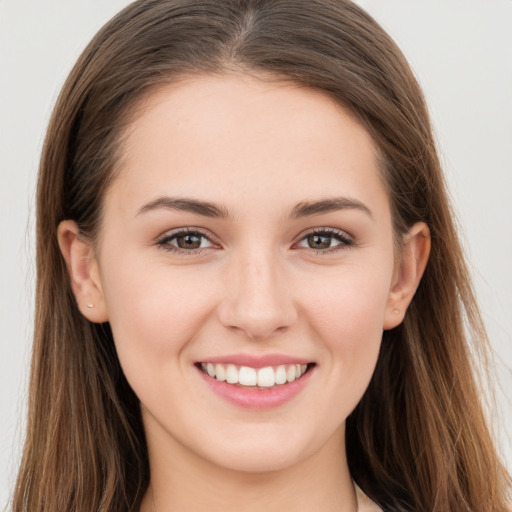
181, 480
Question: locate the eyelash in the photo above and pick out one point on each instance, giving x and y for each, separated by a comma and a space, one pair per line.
165, 242
346, 242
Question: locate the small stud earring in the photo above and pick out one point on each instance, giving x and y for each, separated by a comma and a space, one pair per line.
396, 311
90, 306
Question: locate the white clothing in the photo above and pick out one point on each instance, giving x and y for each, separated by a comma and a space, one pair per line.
365, 504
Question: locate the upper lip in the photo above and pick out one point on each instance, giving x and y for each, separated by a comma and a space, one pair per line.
256, 361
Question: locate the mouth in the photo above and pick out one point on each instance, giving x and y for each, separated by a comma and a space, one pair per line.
266, 378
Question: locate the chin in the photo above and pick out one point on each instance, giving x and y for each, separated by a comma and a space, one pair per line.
266, 453
259, 462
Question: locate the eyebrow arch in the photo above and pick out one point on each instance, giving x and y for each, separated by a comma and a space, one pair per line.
306, 208
208, 209
203, 208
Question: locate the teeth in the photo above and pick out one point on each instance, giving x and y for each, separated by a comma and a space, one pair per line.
281, 374
220, 372
231, 374
246, 376
266, 377
291, 373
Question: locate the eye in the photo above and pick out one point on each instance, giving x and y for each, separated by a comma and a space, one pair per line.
326, 240
185, 240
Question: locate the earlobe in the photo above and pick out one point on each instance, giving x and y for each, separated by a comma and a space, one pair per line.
408, 274
83, 272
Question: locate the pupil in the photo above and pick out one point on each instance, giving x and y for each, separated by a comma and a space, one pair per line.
189, 242
319, 241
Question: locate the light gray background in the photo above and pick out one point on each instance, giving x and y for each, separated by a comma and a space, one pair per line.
461, 51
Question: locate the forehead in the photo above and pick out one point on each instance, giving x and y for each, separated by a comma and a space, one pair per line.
214, 135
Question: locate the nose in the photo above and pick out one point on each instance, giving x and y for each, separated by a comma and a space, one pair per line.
258, 300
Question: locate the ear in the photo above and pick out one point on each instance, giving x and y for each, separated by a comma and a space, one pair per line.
83, 272
408, 272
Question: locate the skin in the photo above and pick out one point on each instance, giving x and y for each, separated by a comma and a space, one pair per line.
256, 149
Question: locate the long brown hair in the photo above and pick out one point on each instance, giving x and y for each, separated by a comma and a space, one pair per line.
418, 440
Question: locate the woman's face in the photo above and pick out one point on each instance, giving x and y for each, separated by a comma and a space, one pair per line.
248, 232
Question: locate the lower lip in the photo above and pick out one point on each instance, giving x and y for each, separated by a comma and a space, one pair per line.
257, 398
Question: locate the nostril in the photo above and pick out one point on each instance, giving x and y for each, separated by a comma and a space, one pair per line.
259, 309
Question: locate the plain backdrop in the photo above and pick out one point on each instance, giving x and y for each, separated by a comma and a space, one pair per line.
461, 51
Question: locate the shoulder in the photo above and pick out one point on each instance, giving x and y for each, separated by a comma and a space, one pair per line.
365, 504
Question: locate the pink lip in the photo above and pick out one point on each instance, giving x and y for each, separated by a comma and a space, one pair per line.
257, 399
256, 361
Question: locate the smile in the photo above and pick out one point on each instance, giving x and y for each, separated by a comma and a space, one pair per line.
254, 378
256, 383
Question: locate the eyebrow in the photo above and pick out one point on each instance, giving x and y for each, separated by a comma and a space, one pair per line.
307, 208
203, 208
208, 209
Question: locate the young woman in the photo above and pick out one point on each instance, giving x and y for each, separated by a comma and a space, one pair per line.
250, 291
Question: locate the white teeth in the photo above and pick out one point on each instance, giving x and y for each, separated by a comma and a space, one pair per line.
247, 376
231, 374
266, 377
220, 373
281, 374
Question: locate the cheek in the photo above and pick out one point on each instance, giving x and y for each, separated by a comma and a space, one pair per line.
347, 315
352, 300
153, 314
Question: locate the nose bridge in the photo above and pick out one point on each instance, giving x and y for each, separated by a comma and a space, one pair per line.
258, 300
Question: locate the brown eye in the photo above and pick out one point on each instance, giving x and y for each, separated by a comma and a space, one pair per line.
326, 240
189, 241
185, 241
316, 241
